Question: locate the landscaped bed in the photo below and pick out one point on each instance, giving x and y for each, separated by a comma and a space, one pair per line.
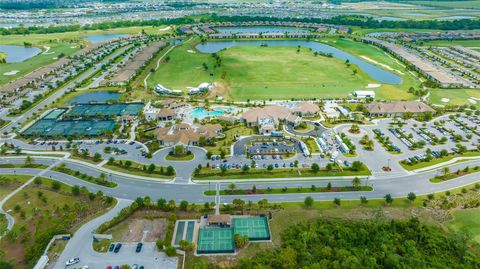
285, 190
214, 174
435, 161
130, 167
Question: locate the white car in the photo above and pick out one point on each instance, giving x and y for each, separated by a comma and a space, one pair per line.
72, 261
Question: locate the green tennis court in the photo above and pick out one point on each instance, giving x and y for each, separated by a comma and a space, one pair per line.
215, 240
256, 228
63, 128
95, 110
54, 114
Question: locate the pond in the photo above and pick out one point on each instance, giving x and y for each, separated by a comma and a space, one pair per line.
241, 30
459, 17
373, 71
100, 96
99, 38
16, 54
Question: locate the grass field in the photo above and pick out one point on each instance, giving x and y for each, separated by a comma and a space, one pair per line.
455, 96
466, 220
450, 4
447, 43
278, 72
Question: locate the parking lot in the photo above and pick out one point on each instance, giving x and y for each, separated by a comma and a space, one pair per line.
149, 257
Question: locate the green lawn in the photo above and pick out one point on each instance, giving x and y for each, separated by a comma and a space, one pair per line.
467, 220
455, 96
277, 72
180, 157
228, 140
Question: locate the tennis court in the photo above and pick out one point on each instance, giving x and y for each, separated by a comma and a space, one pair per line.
215, 240
63, 128
256, 228
95, 110
54, 114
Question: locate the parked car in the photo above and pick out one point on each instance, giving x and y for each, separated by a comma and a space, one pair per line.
72, 261
112, 246
117, 247
139, 247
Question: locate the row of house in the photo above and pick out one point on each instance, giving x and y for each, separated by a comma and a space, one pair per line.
50, 76
129, 70
319, 27
399, 108
263, 35
433, 72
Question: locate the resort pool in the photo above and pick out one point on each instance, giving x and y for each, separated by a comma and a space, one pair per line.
99, 38
201, 113
373, 71
256, 29
100, 97
16, 54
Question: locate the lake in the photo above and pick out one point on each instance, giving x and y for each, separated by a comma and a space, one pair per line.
100, 96
16, 54
373, 71
241, 30
99, 38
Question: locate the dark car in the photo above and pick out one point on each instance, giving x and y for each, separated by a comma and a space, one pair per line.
139, 247
117, 248
112, 246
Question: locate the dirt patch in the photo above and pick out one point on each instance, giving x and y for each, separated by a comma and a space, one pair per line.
220, 89
148, 230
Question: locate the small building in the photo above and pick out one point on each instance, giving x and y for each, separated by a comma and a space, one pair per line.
364, 94
397, 108
219, 220
266, 125
166, 114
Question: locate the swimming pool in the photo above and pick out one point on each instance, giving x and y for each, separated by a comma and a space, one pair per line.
201, 113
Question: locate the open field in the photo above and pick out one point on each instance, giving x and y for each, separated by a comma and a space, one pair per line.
41, 211
278, 72
455, 96
451, 4
466, 220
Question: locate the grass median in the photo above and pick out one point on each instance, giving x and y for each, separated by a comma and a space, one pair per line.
95, 180
289, 190
217, 174
129, 167
440, 160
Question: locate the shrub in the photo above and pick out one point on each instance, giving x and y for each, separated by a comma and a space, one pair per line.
171, 251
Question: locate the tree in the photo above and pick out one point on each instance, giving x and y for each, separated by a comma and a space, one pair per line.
315, 168
185, 245
161, 203
76, 190
232, 187
97, 157
37, 181
356, 182
357, 166
209, 155
151, 168
329, 186
28, 161
270, 167
337, 201
308, 202
170, 171
388, 199
171, 205
170, 251
445, 171
183, 205
56, 185
411, 197
363, 200
240, 241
